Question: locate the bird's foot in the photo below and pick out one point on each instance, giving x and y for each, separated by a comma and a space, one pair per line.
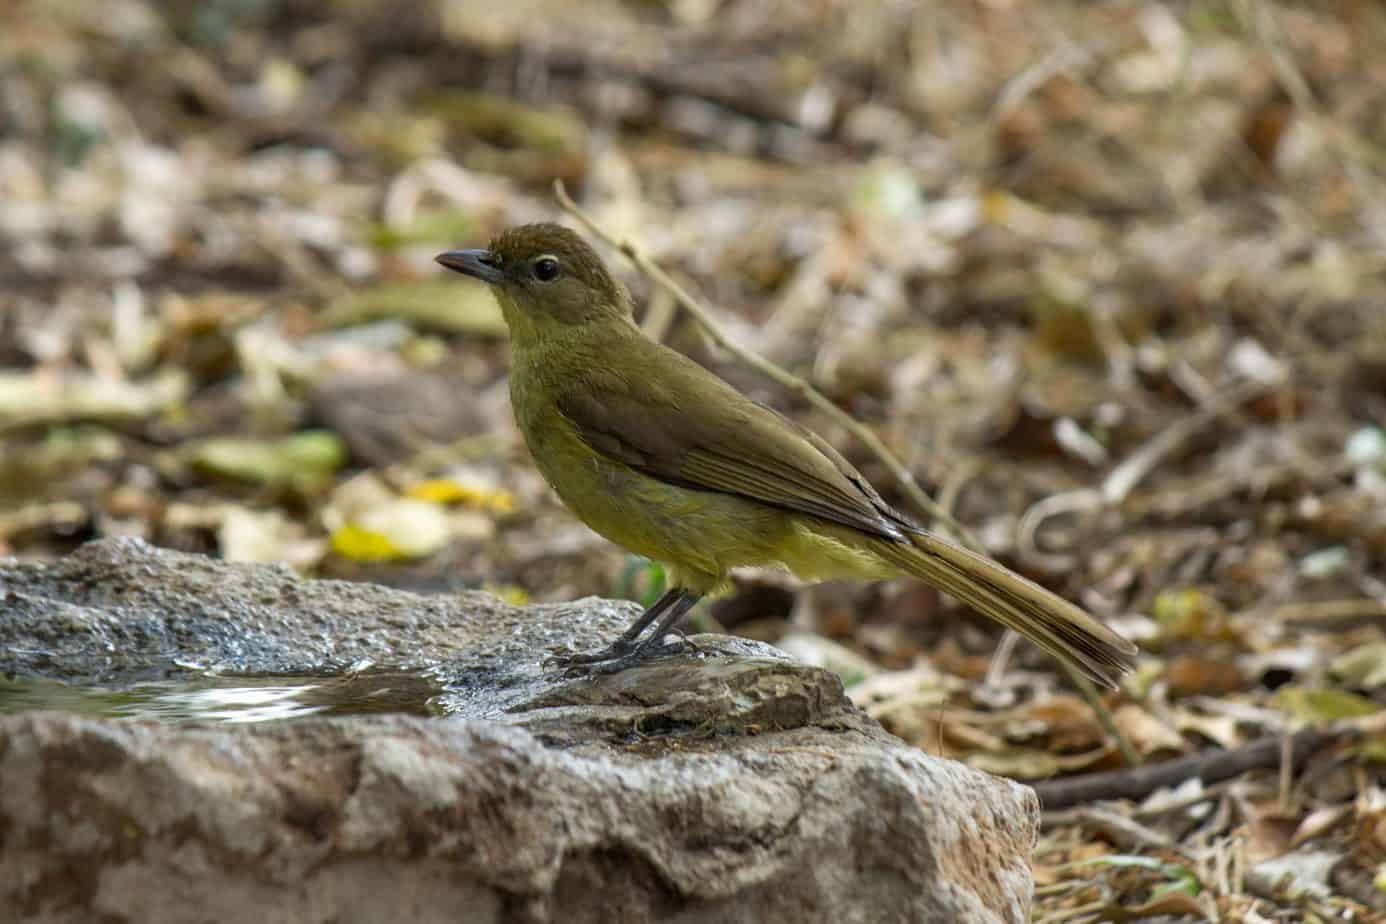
620, 655
640, 655
617, 649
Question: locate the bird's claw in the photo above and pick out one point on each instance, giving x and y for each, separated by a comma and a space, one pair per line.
638, 656
620, 655
617, 649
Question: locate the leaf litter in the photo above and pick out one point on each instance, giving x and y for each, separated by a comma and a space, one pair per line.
1108, 278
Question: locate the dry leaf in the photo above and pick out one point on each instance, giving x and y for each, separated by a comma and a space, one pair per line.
1146, 732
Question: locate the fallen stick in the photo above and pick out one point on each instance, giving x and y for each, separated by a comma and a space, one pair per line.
1209, 766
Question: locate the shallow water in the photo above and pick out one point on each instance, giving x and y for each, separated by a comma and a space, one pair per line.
228, 699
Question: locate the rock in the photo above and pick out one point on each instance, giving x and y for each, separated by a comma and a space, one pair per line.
727, 785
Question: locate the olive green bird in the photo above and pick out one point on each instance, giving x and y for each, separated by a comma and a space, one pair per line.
662, 457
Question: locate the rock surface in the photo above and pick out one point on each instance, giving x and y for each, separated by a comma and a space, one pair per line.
728, 785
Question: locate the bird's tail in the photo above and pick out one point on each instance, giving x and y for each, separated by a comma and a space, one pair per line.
1046, 619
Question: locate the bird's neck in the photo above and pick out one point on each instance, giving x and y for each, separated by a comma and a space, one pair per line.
546, 361
542, 332
553, 342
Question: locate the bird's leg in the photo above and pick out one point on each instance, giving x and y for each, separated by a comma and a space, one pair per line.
667, 622
626, 643
653, 646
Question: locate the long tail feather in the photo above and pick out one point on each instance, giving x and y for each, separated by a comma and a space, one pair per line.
1045, 618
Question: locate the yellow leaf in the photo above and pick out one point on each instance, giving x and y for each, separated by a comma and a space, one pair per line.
994, 206
1189, 613
510, 593
449, 491
358, 544
406, 528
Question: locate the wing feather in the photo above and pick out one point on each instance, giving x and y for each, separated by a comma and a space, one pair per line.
724, 442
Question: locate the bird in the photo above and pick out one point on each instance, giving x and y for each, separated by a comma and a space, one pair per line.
664, 458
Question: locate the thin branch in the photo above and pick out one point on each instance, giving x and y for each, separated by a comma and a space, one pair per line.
1262, 21
1209, 766
1123, 479
1118, 485
1124, 832
1093, 697
1330, 614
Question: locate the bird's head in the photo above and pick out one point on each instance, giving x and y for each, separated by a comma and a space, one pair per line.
544, 277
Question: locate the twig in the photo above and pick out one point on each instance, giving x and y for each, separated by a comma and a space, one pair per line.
996, 670
1287, 770
1093, 697
1181, 497
902, 475
1067, 915
1207, 794
1085, 502
1124, 832
1208, 766
1329, 614
659, 314
771, 371
953, 485
1117, 486
1123, 479
1261, 19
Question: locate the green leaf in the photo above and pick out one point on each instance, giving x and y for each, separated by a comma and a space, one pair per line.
628, 583
447, 304
430, 226
656, 582
307, 459
1320, 706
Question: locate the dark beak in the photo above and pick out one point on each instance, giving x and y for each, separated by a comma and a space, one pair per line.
479, 264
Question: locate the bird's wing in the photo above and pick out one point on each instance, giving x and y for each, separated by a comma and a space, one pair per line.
689, 428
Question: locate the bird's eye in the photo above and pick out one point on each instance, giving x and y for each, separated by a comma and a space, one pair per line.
547, 269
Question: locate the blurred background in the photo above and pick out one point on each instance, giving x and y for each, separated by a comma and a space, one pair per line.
1110, 279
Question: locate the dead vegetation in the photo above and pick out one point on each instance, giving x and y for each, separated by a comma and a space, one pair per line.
1109, 279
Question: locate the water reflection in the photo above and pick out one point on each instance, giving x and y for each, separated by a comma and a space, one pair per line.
227, 699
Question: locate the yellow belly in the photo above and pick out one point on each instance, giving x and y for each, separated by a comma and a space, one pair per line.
699, 535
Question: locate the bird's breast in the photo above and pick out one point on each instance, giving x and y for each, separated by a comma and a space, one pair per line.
703, 534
